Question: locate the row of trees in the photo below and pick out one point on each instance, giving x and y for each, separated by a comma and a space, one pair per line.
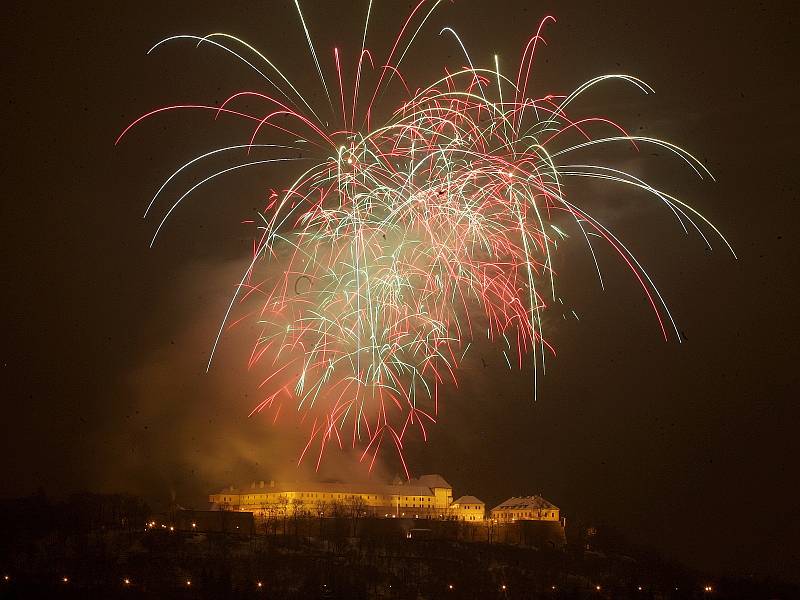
291, 512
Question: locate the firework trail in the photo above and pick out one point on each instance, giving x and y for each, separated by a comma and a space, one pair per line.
403, 242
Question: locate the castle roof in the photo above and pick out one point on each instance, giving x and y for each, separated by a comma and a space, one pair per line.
432, 481
525, 503
468, 500
415, 487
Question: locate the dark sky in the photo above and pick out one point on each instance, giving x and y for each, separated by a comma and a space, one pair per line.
691, 448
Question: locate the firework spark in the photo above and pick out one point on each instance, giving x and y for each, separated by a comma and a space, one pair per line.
403, 242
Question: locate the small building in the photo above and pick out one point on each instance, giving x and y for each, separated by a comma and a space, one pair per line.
525, 508
468, 508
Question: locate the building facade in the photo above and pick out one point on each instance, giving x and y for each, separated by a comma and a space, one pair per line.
468, 508
525, 508
428, 496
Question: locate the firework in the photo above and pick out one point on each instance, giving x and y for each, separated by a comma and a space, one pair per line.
403, 242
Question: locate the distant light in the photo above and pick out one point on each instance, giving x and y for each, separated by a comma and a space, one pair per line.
188, 582
126, 581
65, 579
6, 577
597, 587
194, 524
640, 588
553, 587
171, 528
259, 584
450, 586
708, 588
503, 586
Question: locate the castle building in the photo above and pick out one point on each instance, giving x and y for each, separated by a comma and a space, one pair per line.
525, 508
469, 508
428, 496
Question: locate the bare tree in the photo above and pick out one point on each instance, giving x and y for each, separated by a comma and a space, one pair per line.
321, 508
264, 515
298, 512
356, 509
282, 508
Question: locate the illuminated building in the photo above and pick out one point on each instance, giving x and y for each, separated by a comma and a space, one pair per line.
525, 508
428, 496
468, 508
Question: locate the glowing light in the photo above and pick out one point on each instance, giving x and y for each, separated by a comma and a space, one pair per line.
373, 280
126, 581
188, 582
65, 579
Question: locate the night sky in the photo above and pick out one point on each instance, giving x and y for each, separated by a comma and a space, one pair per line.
689, 448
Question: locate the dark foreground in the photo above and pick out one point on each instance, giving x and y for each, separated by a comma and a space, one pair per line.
96, 549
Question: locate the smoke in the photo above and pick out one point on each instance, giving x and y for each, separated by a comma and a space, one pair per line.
187, 432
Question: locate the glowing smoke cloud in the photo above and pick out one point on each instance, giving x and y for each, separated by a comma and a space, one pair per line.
405, 241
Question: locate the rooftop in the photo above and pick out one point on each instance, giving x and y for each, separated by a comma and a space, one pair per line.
526, 502
468, 500
423, 486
